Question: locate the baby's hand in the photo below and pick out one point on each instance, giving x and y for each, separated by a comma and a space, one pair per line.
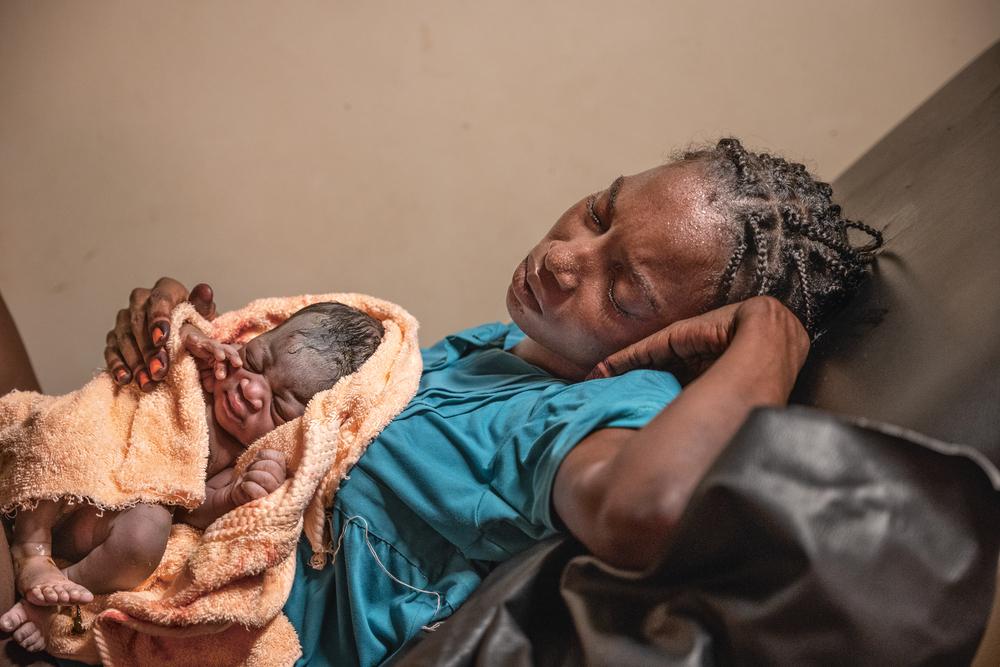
210, 355
263, 476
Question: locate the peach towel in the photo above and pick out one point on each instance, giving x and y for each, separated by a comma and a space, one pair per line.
216, 597
107, 445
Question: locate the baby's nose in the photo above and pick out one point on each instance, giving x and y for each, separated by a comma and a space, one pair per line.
252, 394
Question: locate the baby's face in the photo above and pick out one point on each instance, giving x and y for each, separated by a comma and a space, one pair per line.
277, 379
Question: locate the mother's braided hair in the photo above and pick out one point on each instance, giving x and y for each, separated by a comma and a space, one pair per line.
788, 233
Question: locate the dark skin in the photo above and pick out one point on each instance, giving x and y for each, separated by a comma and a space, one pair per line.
134, 348
255, 388
15, 368
626, 281
116, 550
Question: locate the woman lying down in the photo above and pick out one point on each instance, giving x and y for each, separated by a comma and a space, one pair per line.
249, 391
721, 265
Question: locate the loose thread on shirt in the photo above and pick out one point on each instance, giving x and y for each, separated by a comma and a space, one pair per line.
360, 520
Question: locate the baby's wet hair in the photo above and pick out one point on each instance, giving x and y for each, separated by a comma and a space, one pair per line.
342, 337
791, 240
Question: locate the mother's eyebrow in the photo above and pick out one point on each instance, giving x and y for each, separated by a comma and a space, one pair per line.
613, 189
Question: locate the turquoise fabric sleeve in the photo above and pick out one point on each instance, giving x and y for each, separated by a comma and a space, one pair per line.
542, 434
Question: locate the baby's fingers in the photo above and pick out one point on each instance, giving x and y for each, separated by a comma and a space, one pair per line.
231, 353
268, 467
272, 458
271, 455
252, 490
265, 480
198, 344
223, 354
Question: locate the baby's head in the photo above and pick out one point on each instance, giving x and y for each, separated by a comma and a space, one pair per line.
285, 367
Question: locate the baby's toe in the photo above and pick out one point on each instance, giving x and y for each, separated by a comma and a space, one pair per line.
50, 594
35, 595
23, 633
13, 618
80, 594
35, 643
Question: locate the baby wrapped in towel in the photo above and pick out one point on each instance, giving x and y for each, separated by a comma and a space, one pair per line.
253, 389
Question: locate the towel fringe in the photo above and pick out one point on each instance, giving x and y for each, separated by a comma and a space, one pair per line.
10, 510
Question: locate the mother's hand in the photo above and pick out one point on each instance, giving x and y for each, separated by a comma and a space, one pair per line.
134, 348
689, 347
623, 492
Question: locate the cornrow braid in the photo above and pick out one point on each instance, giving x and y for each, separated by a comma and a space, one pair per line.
802, 251
799, 257
758, 241
729, 273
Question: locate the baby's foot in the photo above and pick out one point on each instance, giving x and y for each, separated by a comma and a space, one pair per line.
41, 582
26, 621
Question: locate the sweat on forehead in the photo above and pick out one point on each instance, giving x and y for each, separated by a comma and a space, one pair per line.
696, 224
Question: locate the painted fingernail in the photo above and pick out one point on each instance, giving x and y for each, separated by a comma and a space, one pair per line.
144, 381
160, 332
155, 366
122, 376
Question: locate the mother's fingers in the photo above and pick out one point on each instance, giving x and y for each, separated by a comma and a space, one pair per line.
114, 362
137, 325
203, 300
125, 346
617, 364
651, 352
158, 303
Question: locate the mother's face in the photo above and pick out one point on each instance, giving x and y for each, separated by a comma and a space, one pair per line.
620, 265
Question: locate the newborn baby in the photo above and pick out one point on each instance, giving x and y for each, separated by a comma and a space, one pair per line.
254, 389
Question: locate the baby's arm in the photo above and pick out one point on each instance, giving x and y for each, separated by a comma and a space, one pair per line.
225, 491
209, 354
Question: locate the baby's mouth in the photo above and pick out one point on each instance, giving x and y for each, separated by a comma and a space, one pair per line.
236, 405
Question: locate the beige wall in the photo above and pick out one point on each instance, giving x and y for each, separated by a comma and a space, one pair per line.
410, 150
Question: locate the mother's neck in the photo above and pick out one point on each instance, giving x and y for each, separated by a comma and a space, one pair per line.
550, 361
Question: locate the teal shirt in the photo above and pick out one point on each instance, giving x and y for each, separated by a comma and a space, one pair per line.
459, 481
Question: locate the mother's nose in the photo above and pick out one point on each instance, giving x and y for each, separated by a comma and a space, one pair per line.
567, 261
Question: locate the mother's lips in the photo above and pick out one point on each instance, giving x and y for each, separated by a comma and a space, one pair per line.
522, 288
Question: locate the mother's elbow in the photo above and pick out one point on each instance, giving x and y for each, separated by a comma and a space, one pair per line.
632, 532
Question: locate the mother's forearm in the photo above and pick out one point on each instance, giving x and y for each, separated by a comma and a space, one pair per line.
639, 482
